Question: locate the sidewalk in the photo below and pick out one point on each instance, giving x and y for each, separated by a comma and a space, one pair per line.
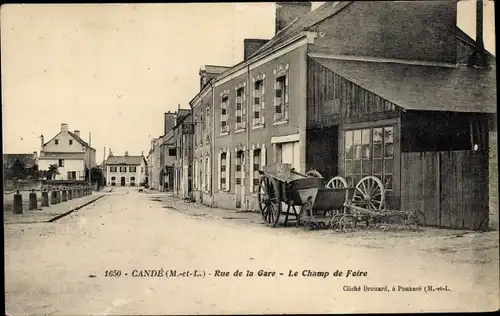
458, 243
46, 214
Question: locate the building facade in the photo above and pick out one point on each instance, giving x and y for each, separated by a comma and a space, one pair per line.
69, 152
342, 91
126, 170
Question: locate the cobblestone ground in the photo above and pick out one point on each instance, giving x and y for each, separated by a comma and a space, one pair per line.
59, 268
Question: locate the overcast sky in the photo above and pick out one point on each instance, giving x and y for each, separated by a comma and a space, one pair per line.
113, 70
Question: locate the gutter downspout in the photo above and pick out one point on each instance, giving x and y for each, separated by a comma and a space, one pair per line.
213, 172
247, 152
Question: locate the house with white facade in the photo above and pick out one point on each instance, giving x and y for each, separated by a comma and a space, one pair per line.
125, 170
69, 152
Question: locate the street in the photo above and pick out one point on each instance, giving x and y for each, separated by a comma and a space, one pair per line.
59, 268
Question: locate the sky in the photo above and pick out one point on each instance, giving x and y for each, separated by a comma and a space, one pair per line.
113, 70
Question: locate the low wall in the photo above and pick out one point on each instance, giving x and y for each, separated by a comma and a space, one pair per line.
22, 185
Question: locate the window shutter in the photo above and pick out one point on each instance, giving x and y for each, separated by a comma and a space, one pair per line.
251, 171
263, 156
228, 170
219, 172
209, 172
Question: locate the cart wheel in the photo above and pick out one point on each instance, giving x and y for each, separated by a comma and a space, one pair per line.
347, 223
335, 222
269, 200
416, 220
369, 193
314, 173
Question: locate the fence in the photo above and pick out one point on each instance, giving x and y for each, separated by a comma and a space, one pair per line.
451, 188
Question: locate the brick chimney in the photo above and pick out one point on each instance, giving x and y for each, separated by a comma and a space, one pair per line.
251, 45
287, 12
168, 122
77, 133
478, 59
64, 127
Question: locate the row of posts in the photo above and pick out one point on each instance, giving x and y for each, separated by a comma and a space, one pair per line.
50, 196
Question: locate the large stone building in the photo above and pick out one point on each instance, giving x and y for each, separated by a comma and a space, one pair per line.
69, 152
125, 170
342, 90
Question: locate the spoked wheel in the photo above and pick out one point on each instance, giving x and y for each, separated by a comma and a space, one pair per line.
338, 183
335, 222
269, 200
369, 193
314, 173
347, 223
416, 220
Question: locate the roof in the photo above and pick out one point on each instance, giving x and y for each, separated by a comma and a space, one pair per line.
418, 87
124, 160
78, 139
302, 24
29, 160
213, 69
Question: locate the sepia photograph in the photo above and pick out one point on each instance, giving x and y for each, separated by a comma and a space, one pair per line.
221, 158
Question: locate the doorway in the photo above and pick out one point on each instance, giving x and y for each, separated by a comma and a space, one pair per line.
122, 181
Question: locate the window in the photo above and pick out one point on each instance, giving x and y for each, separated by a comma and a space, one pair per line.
207, 119
123, 169
112, 169
258, 103
369, 151
281, 99
172, 152
113, 178
224, 128
223, 171
132, 169
240, 109
61, 162
71, 175
70, 142
142, 169
132, 178
240, 161
256, 168
56, 141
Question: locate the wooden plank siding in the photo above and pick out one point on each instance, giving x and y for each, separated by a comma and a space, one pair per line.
450, 187
332, 99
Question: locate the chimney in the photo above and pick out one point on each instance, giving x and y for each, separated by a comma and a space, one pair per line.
169, 122
251, 45
126, 153
64, 127
110, 153
203, 78
287, 12
42, 143
478, 59
77, 133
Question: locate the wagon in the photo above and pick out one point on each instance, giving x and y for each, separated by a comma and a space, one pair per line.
281, 185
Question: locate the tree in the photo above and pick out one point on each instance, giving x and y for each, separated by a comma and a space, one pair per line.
53, 170
18, 170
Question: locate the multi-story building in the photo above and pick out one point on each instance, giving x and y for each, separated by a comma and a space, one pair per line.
340, 90
126, 170
69, 152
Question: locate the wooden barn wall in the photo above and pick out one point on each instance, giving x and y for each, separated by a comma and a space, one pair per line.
331, 100
450, 187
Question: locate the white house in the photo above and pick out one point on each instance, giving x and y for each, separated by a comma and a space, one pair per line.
69, 152
125, 170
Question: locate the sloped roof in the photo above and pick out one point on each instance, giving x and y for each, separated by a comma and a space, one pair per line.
426, 88
124, 160
76, 137
28, 159
302, 24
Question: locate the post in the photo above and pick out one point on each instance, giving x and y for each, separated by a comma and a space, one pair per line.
58, 192
64, 193
90, 159
53, 196
18, 203
70, 193
33, 205
45, 198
